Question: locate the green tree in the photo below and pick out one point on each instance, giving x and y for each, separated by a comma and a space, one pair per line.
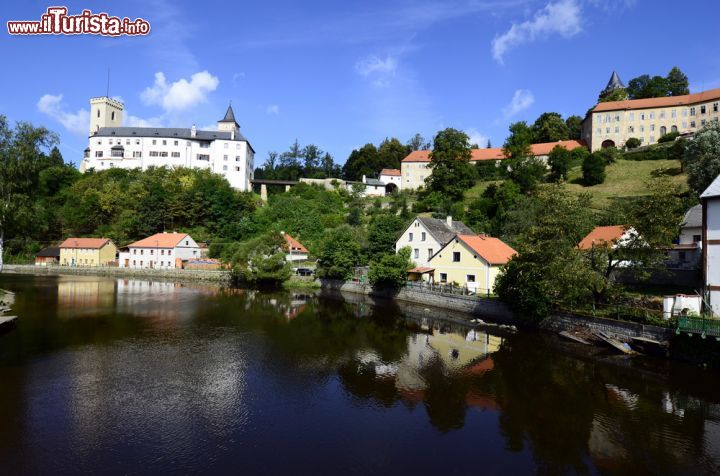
574, 126
633, 143
677, 81
593, 169
261, 260
559, 161
669, 137
339, 253
518, 143
363, 161
619, 94
390, 270
452, 172
702, 157
391, 152
550, 127
383, 231
418, 142
646, 87
527, 172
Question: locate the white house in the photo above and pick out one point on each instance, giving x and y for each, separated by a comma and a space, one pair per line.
710, 199
160, 251
686, 253
224, 151
425, 236
392, 178
295, 251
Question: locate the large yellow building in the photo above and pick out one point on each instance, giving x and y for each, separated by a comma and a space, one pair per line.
87, 252
469, 261
611, 124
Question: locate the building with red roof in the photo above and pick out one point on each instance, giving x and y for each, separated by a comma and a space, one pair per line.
295, 250
607, 236
160, 251
91, 252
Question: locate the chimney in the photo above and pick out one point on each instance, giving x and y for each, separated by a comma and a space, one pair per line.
448, 220
193, 131
232, 135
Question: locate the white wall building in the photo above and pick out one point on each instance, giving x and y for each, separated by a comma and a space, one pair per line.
224, 151
159, 251
391, 176
711, 244
425, 236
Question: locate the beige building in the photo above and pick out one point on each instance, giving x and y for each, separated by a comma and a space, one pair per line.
611, 124
90, 252
414, 168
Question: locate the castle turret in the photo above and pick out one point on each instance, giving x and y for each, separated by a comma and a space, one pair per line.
228, 123
105, 112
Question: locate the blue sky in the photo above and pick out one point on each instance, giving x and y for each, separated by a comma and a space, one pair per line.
341, 74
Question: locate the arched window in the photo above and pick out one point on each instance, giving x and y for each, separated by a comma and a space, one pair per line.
663, 130
673, 129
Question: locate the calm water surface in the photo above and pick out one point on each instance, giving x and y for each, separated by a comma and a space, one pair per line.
106, 376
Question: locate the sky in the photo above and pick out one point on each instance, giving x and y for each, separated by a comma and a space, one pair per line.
342, 74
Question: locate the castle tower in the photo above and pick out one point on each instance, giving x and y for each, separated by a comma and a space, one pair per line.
105, 112
228, 123
614, 83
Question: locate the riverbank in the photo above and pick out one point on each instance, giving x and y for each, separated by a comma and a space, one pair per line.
473, 307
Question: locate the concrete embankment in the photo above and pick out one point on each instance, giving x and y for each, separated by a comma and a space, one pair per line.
495, 310
205, 276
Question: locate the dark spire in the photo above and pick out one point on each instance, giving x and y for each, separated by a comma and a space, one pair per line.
614, 83
229, 115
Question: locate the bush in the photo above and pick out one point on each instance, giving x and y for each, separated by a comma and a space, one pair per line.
633, 143
559, 161
391, 270
653, 152
669, 137
339, 253
609, 154
593, 169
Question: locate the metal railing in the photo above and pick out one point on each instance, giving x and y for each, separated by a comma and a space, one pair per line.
617, 311
450, 288
705, 326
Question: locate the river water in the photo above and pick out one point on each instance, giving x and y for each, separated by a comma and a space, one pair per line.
105, 376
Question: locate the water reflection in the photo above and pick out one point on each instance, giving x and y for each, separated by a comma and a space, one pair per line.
178, 378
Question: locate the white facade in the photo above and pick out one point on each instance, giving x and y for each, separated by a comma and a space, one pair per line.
711, 244
421, 243
161, 256
225, 151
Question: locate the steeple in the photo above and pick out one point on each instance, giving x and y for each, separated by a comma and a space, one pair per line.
229, 124
229, 116
614, 83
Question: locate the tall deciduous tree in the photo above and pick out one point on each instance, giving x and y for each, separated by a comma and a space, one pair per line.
519, 141
550, 127
452, 173
702, 157
339, 253
391, 152
574, 125
362, 161
677, 81
418, 142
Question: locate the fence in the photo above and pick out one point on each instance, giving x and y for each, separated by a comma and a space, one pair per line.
699, 325
619, 312
449, 288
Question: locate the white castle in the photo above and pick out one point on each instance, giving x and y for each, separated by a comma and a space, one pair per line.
224, 151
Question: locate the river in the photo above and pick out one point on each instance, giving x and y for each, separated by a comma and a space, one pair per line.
107, 376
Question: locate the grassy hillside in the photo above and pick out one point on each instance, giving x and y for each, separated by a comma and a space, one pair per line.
625, 178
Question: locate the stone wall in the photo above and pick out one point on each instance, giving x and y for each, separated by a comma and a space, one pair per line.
621, 330
210, 276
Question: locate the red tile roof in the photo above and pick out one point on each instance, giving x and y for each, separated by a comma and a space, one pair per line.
294, 245
496, 153
393, 172
160, 240
602, 234
421, 270
686, 100
95, 243
492, 250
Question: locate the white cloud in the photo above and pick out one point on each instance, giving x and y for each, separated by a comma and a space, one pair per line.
561, 17
375, 65
273, 109
477, 137
182, 94
134, 121
612, 5
521, 100
77, 122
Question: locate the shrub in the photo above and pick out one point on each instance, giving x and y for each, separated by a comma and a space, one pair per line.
653, 152
559, 161
633, 143
391, 270
593, 169
669, 137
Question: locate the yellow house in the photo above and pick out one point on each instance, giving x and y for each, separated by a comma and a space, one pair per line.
87, 252
469, 261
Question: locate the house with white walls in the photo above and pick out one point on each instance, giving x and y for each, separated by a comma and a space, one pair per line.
160, 251
425, 236
710, 200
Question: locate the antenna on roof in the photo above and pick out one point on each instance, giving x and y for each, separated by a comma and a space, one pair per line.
107, 91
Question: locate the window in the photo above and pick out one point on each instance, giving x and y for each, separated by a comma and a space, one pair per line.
127, 141
226, 145
154, 153
702, 109
702, 122
154, 142
142, 252
187, 143
684, 124
599, 131
224, 167
116, 153
112, 116
470, 278
642, 117
607, 130
162, 252
617, 130
642, 128
175, 154
176, 143
443, 277
673, 113
224, 157
134, 252
152, 252
237, 146
99, 141
186, 243
164, 142
617, 118
652, 138
631, 129
456, 256
137, 141
98, 114
422, 236
697, 238
416, 253
134, 262
685, 112
652, 127
652, 115
715, 107
237, 169
692, 111
632, 116
662, 114
692, 123
98, 153
663, 130
430, 253
237, 158
410, 236
203, 157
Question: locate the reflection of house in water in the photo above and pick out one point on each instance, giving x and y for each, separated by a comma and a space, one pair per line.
80, 296
160, 299
457, 351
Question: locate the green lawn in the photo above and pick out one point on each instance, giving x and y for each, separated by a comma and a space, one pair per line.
624, 178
